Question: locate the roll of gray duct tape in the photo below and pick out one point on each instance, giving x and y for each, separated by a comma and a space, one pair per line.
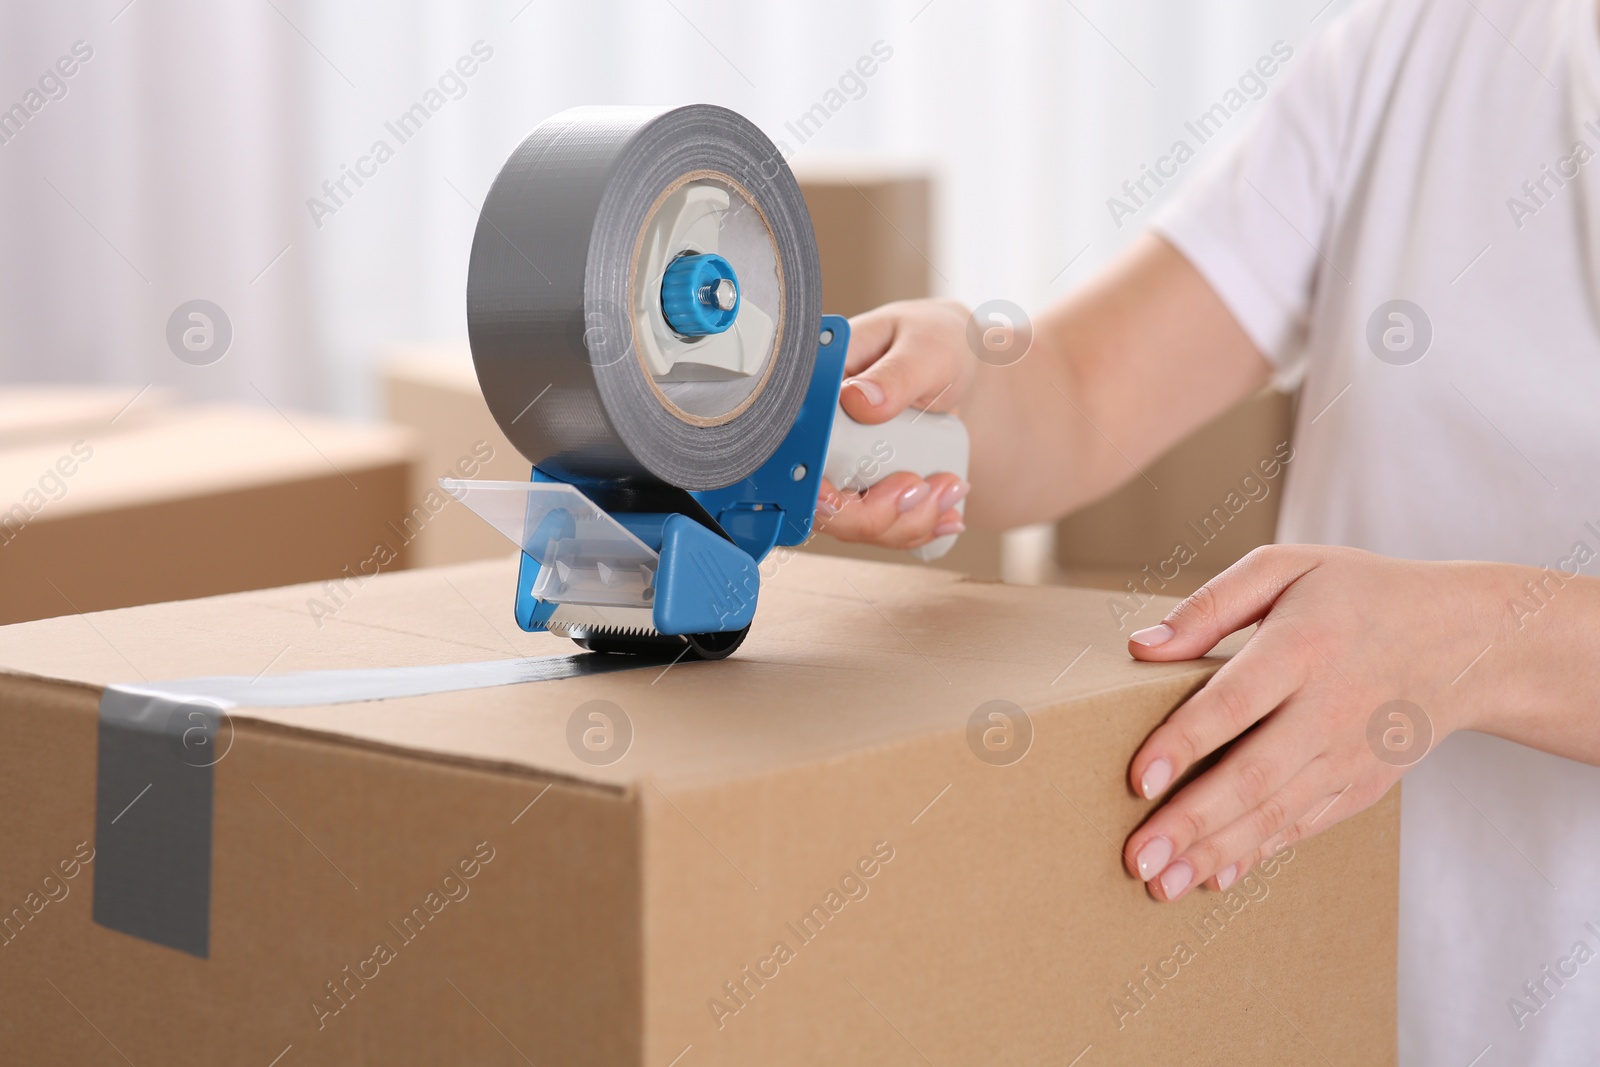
563, 297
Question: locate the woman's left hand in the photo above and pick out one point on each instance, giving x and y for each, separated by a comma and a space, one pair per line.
1306, 701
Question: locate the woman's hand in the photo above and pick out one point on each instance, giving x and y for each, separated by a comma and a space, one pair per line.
1306, 701
1084, 394
908, 354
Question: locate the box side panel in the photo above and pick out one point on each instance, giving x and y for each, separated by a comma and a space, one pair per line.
918, 904
255, 538
366, 908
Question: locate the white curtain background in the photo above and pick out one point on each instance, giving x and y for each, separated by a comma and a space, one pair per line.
179, 162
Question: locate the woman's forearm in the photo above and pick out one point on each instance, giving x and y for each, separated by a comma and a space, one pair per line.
1538, 681
1119, 371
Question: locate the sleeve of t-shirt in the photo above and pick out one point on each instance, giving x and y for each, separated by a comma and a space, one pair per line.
1256, 221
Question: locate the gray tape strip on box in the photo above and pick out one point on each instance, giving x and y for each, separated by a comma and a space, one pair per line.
159, 745
152, 823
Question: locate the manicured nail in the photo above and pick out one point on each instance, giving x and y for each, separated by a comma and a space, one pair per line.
1176, 879
953, 495
1154, 856
1226, 876
870, 390
1151, 636
945, 529
914, 496
1156, 778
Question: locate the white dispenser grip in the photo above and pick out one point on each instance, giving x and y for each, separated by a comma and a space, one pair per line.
922, 442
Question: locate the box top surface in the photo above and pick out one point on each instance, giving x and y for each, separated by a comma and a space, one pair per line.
444, 365
849, 169
30, 412
182, 452
843, 656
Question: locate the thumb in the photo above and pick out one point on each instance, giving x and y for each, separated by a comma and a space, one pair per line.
918, 367
1238, 597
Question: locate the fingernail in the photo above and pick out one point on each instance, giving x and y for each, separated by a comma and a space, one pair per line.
953, 495
1157, 777
1175, 879
914, 496
1151, 636
945, 529
829, 503
870, 390
1226, 876
1154, 856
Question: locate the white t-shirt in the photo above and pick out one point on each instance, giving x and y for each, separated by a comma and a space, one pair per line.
1445, 153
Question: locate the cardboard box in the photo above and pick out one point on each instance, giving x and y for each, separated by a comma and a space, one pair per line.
1192, 513
833, 847
433, 390
874, 227
188, 502
33, 412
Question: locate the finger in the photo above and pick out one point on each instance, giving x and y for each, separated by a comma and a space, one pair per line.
916, 528
829, 502
1203, 860
952, 489
928, 518
1261, 676
1249, 776
915, 370
1316, 819
1241, 595
864, 517
871, 334
902, 511
1328, 811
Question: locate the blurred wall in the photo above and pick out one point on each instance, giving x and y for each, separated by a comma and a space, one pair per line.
204, 150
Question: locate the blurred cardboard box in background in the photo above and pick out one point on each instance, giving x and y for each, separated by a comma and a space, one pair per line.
1189, 515
42, 412
104, 508
433, 390
874, 227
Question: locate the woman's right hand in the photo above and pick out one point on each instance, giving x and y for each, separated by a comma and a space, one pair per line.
1109, 377
913, 353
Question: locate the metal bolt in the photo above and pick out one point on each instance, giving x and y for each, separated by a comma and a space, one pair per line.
725, 294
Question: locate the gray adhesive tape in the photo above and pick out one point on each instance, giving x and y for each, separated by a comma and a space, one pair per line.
554, 281
152, 822
158, 747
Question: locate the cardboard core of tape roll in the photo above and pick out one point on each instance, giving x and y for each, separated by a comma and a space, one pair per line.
766, 371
